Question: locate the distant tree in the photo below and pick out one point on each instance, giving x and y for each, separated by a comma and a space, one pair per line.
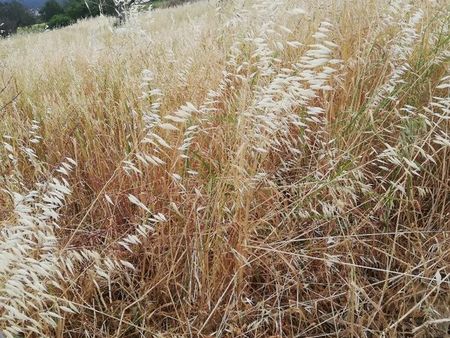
12, 15
56, 15
7, 26
107, 7
59, 20
50, 8
78, 9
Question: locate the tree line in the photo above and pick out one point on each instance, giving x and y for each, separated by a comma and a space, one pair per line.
54, 14
13, 15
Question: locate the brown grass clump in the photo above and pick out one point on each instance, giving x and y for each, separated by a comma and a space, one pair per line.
235, 169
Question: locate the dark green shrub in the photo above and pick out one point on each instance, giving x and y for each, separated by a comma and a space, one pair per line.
50, 9
59, 20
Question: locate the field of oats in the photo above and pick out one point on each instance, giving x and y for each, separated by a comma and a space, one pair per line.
229, 169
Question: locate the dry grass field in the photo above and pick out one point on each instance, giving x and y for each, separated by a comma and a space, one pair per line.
229, 169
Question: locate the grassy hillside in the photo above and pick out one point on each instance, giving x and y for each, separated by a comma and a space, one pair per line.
235, 169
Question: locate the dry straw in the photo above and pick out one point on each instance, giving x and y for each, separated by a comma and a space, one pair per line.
231, 169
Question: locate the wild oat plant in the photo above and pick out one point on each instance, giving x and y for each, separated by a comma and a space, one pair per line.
229, 169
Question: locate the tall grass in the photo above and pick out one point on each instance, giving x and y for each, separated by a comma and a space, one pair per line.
233, 169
